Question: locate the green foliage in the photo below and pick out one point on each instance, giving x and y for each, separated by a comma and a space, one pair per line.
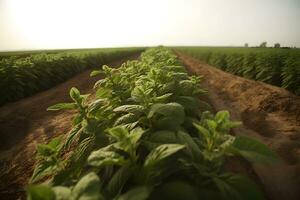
275, 66
146, 135
25, 75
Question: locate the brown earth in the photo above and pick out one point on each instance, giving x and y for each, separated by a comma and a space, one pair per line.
26, 122
269, 114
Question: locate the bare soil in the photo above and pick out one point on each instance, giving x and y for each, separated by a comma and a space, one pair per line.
26, 122
269, 114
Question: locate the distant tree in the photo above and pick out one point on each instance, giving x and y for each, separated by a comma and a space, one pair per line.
276, 45
263, 45
246, 45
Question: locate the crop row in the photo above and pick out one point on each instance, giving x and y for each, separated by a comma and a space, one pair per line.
146, 135
280, 67
21, 77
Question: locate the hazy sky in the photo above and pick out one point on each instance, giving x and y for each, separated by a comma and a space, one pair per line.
47, 24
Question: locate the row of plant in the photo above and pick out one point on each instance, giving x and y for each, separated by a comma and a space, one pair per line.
21, 77
146, 135
280, 67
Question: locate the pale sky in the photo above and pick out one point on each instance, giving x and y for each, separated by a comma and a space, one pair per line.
53, 24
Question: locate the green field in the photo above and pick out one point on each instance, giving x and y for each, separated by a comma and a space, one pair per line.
25, 73
146, 135
276, 66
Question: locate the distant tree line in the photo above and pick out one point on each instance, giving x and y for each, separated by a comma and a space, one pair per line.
264, 45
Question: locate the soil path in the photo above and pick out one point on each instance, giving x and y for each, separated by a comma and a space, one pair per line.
269, 114
26, 123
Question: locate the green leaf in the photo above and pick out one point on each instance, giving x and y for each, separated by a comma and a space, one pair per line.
178, 190
118, 180
139, 193
253, 150
191, 146
163, 97
163, 137
103, 157
126, 119
237, 187
41, 170
45, 150
160, 153
96, 72
130, 109
87, 188
60, 106
172, 115
40, 192
221, 116
55, 142
77, 130
135, 135
169, 109
188, 102
75, 94
203, 131
62, 193
103, 93
118, 132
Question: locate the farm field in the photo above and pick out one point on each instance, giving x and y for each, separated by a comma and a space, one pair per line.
23, 74
149, 100
152, 131
276, 66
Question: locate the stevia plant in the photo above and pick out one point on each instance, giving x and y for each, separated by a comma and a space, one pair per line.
146, 135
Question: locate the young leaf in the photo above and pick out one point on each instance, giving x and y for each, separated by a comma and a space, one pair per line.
75, 94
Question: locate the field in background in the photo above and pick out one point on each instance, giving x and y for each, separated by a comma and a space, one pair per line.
276, 66
25, 73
